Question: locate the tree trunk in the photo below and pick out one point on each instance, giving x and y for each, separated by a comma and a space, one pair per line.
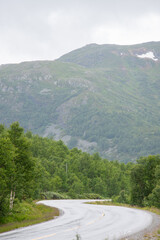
12, 197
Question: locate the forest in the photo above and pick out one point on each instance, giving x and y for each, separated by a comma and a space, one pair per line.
33, 167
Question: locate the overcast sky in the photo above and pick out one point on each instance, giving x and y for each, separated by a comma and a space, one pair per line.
46, 29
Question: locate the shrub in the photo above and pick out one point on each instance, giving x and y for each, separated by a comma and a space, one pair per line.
53, 195
154, 197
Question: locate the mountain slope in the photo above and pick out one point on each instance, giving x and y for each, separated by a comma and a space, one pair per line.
102, 98
110, 55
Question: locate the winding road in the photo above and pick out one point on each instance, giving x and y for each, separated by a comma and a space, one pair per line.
90, 222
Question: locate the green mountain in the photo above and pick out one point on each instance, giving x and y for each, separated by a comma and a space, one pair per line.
99, 98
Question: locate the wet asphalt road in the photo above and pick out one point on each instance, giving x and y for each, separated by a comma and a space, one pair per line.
90, 222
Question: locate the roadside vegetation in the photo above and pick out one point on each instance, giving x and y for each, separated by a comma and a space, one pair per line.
27, 213
32, 167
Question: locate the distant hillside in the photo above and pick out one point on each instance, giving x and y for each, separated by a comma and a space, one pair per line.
110, 55
103, 98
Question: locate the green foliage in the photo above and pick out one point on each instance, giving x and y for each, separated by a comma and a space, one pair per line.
7, 166
54, 195
25, 214
123, 197
144, 178
33, 167
21, 179
89, 196
75, 173
154, 197
16, 167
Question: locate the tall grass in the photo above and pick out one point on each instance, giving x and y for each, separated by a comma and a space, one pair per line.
25, 214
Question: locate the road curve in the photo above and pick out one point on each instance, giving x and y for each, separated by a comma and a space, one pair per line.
91, 222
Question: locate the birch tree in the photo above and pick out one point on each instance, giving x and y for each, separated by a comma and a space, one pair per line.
7, 168
21, 177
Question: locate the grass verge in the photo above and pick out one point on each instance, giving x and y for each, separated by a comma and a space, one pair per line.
25, 214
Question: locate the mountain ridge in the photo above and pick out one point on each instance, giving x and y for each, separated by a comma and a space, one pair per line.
106, 100
99, 50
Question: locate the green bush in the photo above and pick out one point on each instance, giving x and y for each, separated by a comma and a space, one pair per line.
122, 197
4, 209
154, 197
89, 196
53, 195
